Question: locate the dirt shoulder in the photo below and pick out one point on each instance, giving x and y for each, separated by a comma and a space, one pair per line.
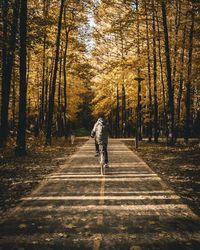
20, 175
179, 166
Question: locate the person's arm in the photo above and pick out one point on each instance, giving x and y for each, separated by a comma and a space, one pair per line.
93, 131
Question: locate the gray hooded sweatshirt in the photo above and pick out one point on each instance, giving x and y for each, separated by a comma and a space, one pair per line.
100, 131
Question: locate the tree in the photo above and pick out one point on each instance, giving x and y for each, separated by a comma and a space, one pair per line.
149, 74
188, 86
21, 132
53, 84
168, 71
103, 47
8, 52
155, 75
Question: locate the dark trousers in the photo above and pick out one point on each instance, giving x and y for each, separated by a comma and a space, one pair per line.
104, 151
96, 147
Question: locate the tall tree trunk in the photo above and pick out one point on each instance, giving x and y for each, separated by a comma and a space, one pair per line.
42, 106
13, 98
188, 84
162, 79
21, 133
175, 54
155, 77
43, 81
59, 108
123, 111
65, 81
117, 130
139, 106
53, 85
177, 25
46, 92
149, 76
180, 91
3, 125
7, 67
128, 119
168, 69
123, 107
139, 114
60, 82
48, 87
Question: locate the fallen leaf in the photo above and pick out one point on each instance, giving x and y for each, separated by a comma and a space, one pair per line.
60, 234
96, 237
133, 236
22, 226
34, 242
151, 222
48, 217
122, 228
70, 226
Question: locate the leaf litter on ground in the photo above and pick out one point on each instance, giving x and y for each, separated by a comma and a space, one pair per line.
178, 166
20, 175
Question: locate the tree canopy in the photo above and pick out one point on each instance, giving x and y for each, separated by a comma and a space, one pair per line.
85, 56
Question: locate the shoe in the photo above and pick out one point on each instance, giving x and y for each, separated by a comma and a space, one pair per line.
96, 155
106, 165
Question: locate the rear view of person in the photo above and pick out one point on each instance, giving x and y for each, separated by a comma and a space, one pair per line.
93, 135
100, 132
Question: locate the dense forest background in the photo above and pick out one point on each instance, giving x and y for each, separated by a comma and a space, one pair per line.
63, 62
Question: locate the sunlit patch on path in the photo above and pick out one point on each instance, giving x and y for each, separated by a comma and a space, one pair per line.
76, 208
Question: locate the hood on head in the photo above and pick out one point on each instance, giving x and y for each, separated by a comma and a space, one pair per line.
101, 120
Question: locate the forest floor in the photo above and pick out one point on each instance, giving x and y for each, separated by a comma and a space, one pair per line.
178, 166
19, 175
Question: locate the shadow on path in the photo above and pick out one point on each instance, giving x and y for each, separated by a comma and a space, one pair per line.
76, 208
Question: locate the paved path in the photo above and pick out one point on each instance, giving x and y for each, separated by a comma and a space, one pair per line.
76, 208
